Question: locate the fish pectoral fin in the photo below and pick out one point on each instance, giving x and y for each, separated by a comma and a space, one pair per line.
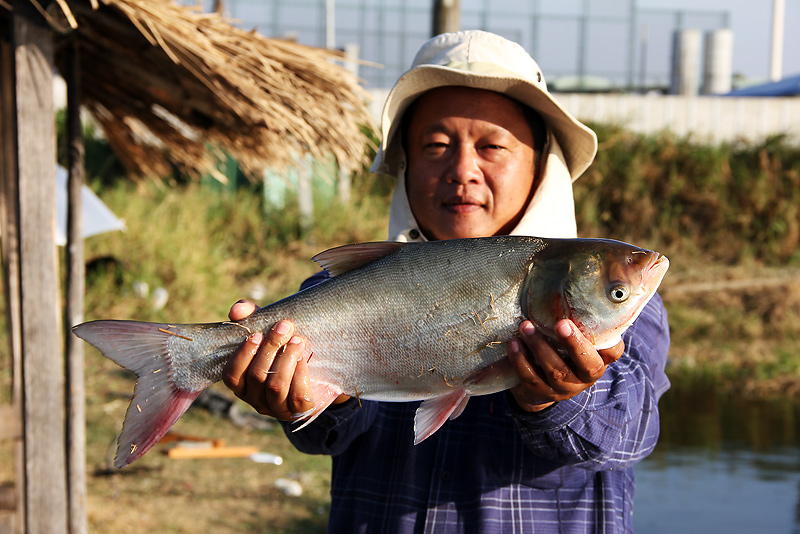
608, 343
496, 377
323, 395
433, 413
346, 258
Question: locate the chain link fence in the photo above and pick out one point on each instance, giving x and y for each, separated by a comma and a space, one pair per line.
599, 45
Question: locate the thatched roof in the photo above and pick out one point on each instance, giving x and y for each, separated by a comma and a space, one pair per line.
171, 83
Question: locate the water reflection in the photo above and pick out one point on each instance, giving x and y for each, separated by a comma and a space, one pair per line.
723, 464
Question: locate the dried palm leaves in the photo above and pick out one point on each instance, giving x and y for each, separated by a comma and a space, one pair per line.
172, 84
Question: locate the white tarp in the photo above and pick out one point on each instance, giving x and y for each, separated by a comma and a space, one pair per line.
97, 218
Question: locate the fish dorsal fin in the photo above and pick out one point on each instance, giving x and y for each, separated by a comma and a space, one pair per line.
342, 259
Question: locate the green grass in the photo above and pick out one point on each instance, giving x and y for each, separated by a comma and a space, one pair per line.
208, 248
726, 204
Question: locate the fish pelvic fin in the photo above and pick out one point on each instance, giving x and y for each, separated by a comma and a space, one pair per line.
157, 400
433, 413
323, 395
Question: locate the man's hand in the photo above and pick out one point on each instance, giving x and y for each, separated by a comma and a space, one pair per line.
547, 376
270, 372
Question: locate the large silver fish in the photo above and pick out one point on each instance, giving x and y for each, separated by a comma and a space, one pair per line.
396, 322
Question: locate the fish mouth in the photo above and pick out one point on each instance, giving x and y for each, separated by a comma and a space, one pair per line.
654, 271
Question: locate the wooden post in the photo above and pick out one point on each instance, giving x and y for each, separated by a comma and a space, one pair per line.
10, 249
305, 194
41, 333
76, 282
446, 16
343, 184
351, 55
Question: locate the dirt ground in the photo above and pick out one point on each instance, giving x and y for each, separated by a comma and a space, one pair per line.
738, 325
165, 495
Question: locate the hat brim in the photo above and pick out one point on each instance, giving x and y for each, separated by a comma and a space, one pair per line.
578, 142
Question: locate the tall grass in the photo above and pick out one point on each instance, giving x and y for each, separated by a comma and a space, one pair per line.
724, 203
209, 248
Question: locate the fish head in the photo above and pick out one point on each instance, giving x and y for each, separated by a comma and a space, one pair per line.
599, 284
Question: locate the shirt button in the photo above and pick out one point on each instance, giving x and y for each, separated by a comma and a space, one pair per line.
414, 233
446, 475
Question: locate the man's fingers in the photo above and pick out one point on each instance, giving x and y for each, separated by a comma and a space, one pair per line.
276, 338
300, 397
234, 370
269, 371
525, 370
258, 372
278, 390
241, 310
533, 392
612, 354
555, 371
587, 363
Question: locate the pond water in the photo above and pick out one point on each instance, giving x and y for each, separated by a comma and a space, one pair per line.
722, 465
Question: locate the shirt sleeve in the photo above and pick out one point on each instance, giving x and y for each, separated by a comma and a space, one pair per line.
614, 423
335, 428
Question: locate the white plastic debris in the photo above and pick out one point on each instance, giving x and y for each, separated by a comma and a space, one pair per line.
266, 458
141, 289
160, 298
292, 488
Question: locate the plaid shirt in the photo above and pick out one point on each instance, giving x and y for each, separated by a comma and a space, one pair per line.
496, 468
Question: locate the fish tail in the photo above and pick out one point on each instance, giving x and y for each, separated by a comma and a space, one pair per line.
157, 401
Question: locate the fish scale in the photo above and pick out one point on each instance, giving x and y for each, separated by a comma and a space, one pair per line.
396, 322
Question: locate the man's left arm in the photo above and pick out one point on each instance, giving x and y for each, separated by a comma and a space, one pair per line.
613, 421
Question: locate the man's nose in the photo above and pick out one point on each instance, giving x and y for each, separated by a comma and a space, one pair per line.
465, 166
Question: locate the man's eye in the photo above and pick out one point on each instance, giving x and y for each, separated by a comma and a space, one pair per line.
435, 147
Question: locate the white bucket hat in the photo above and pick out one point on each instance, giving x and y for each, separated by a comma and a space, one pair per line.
481, 60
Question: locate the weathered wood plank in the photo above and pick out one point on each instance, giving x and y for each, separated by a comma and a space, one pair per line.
42, 361
8, 209
76, 276
15, 523
10, 423
8, 523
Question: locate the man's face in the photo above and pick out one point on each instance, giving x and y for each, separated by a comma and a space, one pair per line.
470, 163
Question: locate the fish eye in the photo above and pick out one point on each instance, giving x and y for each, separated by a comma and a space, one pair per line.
618, 293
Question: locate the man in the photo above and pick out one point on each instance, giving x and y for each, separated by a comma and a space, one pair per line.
480, 148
